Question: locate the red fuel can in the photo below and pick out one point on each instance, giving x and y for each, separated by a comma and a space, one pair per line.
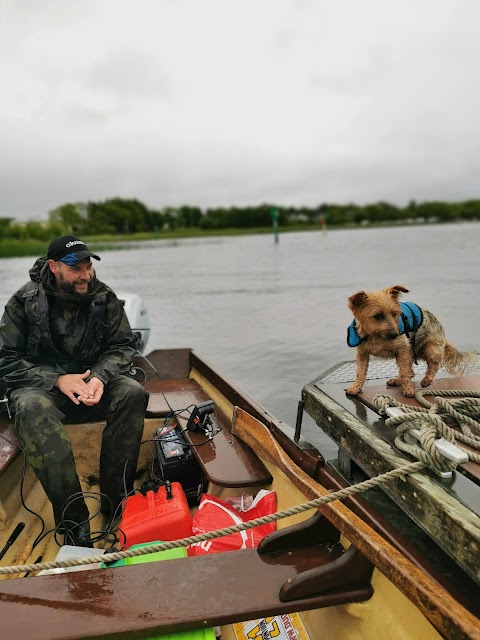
161, 515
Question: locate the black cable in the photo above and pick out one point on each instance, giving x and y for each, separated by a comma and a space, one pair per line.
68, 525
42, 533
176, 412
65, 525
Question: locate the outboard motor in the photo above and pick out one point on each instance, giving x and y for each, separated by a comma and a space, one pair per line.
137, 314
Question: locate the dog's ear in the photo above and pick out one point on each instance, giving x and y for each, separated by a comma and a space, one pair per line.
396, 291
357, 300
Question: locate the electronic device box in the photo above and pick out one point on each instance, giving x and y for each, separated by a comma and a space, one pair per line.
176, 462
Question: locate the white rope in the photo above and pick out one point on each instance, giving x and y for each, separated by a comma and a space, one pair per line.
429, 419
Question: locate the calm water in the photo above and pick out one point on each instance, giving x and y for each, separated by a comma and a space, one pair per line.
273, 317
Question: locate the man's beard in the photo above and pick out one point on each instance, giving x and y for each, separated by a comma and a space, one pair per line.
69, 287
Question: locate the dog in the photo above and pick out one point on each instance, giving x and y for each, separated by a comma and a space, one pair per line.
386, 328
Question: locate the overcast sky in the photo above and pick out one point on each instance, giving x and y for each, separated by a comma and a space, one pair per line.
237, 102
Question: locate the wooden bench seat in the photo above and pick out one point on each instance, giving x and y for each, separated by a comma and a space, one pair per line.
172, 395
226, 461
158, 406
188, 593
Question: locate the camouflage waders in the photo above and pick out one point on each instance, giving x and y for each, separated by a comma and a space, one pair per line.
39, 417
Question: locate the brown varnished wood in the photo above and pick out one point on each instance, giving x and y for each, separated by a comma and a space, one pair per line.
185, 396
171, 596
225, 460
165, 364
306, 456
450, 618
316, 530
350, 568
466, 383
455, 581
166, 395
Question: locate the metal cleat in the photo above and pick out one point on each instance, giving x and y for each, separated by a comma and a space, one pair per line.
443, 446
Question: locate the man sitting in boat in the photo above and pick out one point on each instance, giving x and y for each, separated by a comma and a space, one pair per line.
65, 350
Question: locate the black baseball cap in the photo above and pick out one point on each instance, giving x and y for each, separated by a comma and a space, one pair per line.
70, 250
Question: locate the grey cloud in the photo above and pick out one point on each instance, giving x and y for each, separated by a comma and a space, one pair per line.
280, 101
130, 74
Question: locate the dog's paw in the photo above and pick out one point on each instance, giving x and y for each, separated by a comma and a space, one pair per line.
393, 382
409, 391
426, 382
353, 390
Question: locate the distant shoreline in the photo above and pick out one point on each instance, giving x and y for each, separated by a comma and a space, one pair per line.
12, 248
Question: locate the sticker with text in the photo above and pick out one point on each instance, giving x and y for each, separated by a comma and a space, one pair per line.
284, 627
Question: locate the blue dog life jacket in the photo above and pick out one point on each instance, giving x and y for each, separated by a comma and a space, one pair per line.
409, 321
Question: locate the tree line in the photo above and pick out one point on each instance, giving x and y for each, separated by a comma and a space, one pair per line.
121, 216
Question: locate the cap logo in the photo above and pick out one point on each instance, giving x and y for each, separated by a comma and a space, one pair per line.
71, 259
73, 242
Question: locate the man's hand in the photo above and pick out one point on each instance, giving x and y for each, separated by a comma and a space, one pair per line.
73, 385
95, 391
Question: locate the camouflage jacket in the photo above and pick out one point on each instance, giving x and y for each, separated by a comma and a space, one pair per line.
44, 334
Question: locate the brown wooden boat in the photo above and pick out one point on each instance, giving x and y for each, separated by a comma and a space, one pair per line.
345, 568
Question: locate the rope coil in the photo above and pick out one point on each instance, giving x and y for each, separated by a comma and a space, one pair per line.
429, 419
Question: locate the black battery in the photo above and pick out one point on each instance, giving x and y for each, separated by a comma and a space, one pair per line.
175, 462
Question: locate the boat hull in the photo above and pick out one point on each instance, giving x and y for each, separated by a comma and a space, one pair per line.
141, 601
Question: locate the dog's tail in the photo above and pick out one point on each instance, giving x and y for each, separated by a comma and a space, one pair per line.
458, 363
